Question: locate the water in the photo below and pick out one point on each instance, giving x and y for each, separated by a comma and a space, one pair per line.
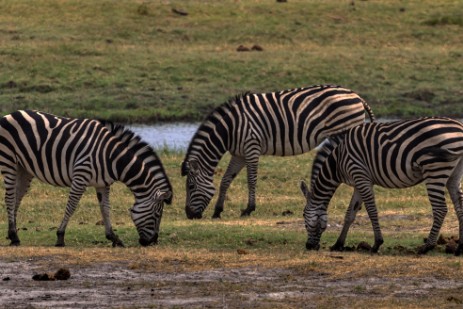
174, 136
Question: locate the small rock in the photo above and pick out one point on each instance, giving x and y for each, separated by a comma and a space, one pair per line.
100, 222
6, 279
257, 48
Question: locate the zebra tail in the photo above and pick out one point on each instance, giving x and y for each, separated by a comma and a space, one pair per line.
369, 111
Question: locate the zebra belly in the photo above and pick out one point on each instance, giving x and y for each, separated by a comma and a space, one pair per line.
55, 180
285, 150
405, 180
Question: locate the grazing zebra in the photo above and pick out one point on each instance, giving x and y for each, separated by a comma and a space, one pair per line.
78, 153
392, 155
284, 123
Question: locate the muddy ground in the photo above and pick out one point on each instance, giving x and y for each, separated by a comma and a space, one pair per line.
117, 285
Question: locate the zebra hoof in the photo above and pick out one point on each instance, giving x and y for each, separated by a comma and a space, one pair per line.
309, 246
58, 244
216, 216
15, 243
337, 247
424, 249
118, 243
245, 213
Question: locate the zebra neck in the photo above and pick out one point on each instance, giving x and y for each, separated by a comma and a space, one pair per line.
207, 155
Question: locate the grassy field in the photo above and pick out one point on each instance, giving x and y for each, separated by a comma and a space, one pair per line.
142, 61
139, 61
269, 243
277, 224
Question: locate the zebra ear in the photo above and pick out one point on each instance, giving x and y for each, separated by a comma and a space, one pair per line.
191, 165
185, 168
165, 196
305, 190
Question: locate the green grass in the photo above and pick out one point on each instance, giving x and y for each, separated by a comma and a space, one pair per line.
405, 215
137, 61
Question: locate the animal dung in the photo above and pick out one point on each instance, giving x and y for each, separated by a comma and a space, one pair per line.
42, 277
60, 274
242, 48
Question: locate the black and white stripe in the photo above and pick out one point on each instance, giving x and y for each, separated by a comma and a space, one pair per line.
392, 155
282, 123
78, 153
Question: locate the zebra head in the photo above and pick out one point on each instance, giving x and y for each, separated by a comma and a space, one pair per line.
315, 218
199, 189
146, 215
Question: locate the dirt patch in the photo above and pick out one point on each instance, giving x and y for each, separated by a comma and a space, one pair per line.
109, 285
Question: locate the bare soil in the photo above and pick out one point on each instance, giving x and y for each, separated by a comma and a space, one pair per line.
118, 285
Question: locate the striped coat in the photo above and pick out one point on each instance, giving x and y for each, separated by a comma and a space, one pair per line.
284, 123
392, 155
78, 153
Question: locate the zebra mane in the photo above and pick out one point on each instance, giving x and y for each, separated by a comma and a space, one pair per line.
323, 152
136, 145
212, 115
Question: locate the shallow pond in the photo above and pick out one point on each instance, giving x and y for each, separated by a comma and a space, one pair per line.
175, 136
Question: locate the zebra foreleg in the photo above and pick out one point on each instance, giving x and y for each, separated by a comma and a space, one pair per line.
354, 206
77, 190
251, 164
369, 199
234, 167
103, 199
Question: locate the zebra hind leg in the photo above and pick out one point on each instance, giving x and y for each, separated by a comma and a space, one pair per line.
439, 210
103, 198
354, 206
23, 181
456, 194
234, 167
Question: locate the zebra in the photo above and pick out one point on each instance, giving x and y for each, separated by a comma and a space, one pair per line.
392, 155
78, 153
284, 123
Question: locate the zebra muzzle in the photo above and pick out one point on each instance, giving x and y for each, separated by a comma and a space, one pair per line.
192, 215
147, 242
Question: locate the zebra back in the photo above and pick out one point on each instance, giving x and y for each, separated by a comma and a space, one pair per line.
287, 122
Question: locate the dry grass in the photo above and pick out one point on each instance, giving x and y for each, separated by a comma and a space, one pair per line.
266, 244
